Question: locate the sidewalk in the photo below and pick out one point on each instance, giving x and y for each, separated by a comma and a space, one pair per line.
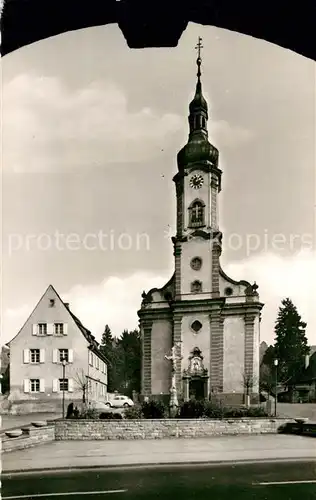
12, 421
72, 454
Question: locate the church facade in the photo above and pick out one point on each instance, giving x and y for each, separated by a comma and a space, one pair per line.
210, 321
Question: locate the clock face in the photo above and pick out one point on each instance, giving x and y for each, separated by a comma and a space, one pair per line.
196, 181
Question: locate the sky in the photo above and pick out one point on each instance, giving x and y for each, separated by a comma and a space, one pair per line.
90, 134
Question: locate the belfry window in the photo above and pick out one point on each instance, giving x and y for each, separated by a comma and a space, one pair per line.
197, 122
203, 122
197, 214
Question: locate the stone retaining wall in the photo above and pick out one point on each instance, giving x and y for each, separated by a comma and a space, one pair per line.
161, 429
33, 436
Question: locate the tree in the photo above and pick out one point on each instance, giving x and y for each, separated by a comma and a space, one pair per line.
124, 356
290, 343
129, 349
82, 383
267, 379
107, 338
5, 382
248, 381
108, 349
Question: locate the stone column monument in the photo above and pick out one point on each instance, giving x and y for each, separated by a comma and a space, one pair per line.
173, 403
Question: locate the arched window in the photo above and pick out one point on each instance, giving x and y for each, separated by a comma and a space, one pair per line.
197, 214
197, 122
203, 122
196, 287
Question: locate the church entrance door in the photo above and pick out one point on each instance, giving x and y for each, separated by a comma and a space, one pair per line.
197, 388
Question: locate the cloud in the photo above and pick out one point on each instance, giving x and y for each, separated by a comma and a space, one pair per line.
116, 300
278, 278
228, 136
49, 127
46, 126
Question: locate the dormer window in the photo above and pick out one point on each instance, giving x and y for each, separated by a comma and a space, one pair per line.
196, 287
197, 214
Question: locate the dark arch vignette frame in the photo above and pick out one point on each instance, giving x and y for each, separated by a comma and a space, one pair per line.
290, 25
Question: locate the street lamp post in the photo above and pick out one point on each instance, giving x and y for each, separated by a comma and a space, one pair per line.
64, 369
276, 362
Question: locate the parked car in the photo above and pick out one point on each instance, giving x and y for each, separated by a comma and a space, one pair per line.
120, 402
100, 407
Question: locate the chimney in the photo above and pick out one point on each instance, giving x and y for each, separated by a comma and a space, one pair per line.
306, 361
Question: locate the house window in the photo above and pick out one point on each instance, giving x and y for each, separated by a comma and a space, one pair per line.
196, 214
42, 329
63, 354
97, 363
51, 302
63, 384
196, 287
34, 385
58, 329
91, 358
34, 355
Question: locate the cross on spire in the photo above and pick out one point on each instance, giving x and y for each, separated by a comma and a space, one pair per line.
199, 46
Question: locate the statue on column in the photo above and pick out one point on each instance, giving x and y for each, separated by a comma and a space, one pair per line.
173, 389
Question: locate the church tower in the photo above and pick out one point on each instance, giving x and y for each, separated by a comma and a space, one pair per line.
209, 321
198, 183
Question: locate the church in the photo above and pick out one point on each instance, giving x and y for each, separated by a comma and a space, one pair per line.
210, 321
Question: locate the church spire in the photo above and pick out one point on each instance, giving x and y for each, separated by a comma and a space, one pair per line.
198, 149
198, 107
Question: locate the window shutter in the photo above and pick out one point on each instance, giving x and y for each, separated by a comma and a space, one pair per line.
42, 385
70, 385
65, 329
26, 385
55, 354
42, 356
34, 329
70, 356
50, 329
26, 356
55, 385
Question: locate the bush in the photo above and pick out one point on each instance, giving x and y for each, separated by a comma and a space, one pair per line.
256, 411
192, 409
89, 414
234, 413
110, 416
213, 410
134, 412
106, 416
153, 409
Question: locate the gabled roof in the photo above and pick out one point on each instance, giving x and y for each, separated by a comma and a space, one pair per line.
94, 345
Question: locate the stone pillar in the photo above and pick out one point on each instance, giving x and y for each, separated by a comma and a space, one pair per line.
186, 394
214, 204
216, 252
249, 344
177, 256
177, 338
217, 350
147, 361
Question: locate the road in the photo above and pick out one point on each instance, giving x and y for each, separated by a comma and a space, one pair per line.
247, 481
